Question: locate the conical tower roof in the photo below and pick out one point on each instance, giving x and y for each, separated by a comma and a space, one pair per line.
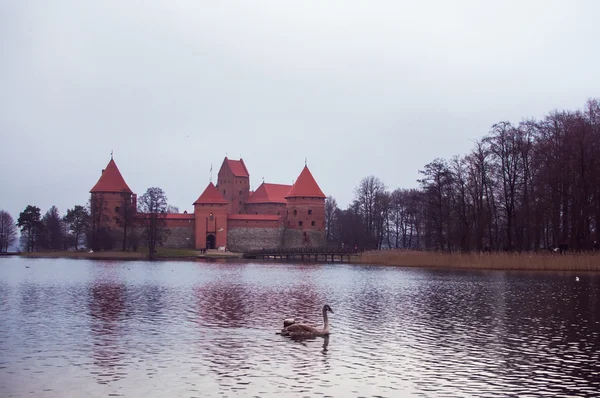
269, 193
111, 180
305, 186
211, 196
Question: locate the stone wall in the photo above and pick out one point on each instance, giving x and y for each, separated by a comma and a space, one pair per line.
177, 238
240, 239
180, 237
307, 238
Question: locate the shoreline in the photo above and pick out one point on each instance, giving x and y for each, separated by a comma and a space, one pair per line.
162, 255
494, 261
491, 261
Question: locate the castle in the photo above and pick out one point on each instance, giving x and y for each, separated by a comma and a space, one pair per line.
226, 215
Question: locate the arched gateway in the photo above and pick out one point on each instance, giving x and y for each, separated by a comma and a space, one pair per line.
210, 241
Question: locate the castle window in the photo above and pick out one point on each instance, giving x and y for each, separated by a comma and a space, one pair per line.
240, 192
312, 223
117, 209
309, 212
224, 192
117, 220
277, 213
295, 212
300, 223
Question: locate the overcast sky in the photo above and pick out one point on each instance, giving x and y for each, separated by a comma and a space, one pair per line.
357, 87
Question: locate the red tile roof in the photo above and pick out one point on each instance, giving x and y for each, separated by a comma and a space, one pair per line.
211, 195
253, 217
305, 186
270, 193
111, 180
237, 167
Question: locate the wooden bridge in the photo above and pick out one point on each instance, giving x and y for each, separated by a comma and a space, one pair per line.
305, 254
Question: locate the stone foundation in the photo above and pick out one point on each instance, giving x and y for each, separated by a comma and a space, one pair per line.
293, 238
240, 239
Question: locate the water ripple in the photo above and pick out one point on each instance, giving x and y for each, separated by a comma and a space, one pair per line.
182, 329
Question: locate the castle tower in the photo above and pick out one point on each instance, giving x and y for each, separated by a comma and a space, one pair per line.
234, 184
210, 213
112, 201
305, 211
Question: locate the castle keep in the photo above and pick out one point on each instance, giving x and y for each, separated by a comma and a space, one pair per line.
228, 214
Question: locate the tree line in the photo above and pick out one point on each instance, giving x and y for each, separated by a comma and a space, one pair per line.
529, 186
90, 226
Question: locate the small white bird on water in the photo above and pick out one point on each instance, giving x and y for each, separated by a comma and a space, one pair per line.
576, 279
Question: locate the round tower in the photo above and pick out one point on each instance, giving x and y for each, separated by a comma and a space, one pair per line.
112, 204
305, 212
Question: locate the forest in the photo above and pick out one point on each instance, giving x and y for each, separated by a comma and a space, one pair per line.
529, 186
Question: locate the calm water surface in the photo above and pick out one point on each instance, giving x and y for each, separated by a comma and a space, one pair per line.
75, 328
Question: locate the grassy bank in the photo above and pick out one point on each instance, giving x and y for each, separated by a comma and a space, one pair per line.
161, 254
489, 261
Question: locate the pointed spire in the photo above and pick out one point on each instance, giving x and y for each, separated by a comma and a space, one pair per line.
306, 186
211, 196
111, 154
111, 180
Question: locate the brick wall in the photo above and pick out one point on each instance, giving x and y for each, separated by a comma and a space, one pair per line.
275, 209
306, 214
240, 239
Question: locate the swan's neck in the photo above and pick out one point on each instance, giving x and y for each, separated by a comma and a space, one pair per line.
325, 321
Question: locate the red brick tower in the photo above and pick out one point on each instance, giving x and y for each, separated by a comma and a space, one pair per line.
234, 184
210, 211
306, 204
111, 198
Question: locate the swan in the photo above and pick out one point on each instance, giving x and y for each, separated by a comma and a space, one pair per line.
300, 330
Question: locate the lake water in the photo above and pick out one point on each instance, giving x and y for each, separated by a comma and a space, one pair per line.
76, 328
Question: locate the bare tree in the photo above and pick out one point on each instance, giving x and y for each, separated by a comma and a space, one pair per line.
153, 206
8, 231
172, 209
368, 196
437, 187
330, 217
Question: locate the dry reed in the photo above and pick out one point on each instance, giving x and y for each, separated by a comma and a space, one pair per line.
489, 261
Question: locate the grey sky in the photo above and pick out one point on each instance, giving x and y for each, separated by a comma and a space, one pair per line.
357, 87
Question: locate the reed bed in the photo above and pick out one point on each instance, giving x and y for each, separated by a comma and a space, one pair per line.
488, 261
